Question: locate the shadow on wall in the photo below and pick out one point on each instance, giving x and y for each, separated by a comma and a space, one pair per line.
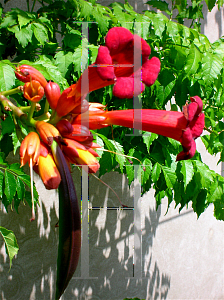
33, 271
111, 241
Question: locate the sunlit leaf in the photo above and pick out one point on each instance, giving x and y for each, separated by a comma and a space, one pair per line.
10, 243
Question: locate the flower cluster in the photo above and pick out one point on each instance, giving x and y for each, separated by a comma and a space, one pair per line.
123, 62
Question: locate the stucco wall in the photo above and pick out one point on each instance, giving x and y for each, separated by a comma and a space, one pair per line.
182, 257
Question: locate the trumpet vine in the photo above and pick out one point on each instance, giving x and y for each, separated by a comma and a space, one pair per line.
61, 135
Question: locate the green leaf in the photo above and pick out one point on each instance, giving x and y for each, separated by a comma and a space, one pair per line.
210, 4
158, 21
8, 126
15, 141
161, 5
206, 178
9, 21
172, 29
156, 170
7, 77
119, 156
40, 32
211, 67
63, 61
2, 159
20, 188
80, 56
199, 202
170, 176
50, 71
10, 185
106, 163
167, 81
146, 170
23, 18
10, 243
24, 36
192, 61
148, 138
72, 39
1, 183
187, 170
130, 172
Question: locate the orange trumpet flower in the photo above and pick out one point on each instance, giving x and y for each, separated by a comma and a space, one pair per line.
33, 91
48, 171
30, 148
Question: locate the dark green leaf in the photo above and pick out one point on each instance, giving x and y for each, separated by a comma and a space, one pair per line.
10, 185
20, 188
40, 32
1, 183
192, 61
161, 5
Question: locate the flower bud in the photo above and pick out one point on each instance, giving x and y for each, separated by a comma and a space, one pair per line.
25, 73
53, 93
86, 158
79, 133
47, 132
64, 126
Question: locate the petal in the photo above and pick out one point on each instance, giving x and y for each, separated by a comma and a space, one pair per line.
150, 71
187, 154
117, 39
186, 139
190, 110
199, 102
127, 87
103, 58
197, 126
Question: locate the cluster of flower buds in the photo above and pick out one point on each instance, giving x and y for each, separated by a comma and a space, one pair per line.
76, 141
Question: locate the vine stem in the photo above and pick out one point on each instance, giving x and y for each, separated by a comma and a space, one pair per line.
31, 111
9, 106
18, 89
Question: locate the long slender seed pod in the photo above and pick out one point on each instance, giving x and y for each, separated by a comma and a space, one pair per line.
69, 224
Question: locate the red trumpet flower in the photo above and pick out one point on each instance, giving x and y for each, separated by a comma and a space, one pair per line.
125, 57
184, 126
115, 64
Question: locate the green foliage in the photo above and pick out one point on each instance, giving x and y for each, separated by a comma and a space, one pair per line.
10, 243
13, 184
55, 40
